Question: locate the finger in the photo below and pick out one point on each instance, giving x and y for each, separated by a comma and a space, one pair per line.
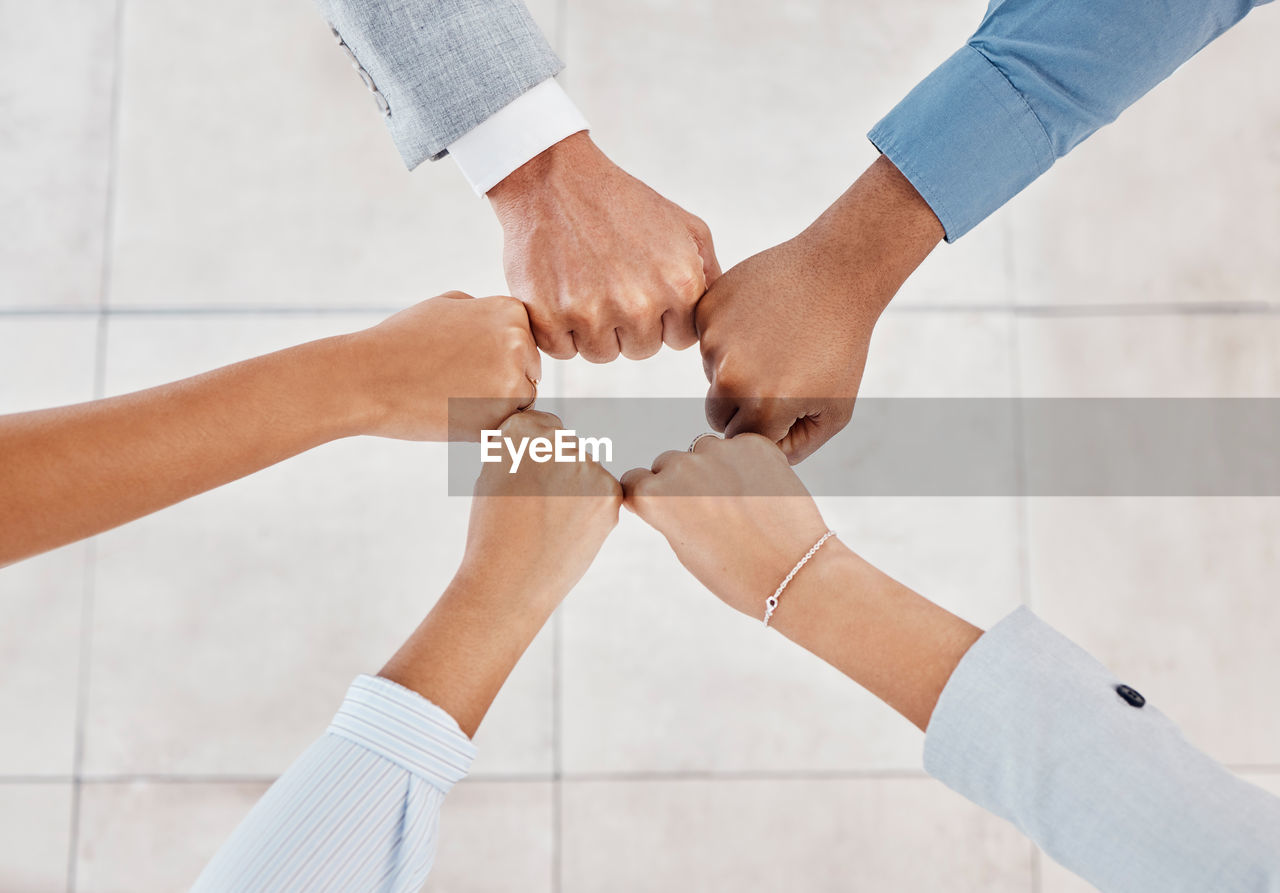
630, 482
809, 432
678, 329
707, 251
553, 340
699, 442
720, 408
457, 296
531, 420
529, 395
597, 346
533, 367
768, 416
639, 340
666, 459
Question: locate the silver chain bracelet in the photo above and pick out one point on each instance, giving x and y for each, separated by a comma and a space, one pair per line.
771, 603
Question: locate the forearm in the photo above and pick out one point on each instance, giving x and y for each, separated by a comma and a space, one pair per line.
893, 642
78, 470
873, 237
463, 652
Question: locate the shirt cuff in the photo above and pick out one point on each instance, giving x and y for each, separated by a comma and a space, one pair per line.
966, 139
406, 729
530, 124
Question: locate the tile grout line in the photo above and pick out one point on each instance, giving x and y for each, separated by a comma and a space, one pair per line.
557, 765
1050, 311
99, 383
637, 777
557, 629
1021, 507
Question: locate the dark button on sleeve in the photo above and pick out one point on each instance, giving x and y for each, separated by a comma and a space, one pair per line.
1130, 696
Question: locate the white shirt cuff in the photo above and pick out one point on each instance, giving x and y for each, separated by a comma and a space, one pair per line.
528, 125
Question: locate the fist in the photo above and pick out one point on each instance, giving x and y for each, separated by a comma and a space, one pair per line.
733, 511
604, 264
477, 349
540, 527
783, 347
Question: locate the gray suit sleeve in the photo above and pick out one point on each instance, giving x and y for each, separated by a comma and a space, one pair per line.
442, 66
1032, 728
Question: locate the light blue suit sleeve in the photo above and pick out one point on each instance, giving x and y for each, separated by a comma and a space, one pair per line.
1032, 728
359, 810
1035, 80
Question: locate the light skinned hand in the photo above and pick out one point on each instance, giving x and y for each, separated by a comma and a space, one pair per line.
408, 366
538, 530
734, 513
785, 333
708, 504
532, 536
605, 264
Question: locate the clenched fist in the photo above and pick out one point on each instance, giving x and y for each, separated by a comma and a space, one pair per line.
409, 366
604, 264
785, 333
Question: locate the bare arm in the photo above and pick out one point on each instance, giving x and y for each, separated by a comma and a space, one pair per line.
71, 472
532, 536
748, 528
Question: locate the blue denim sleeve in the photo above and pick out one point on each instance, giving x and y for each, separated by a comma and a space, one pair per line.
1035, 80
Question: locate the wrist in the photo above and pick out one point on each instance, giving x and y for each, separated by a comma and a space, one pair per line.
875, 235
327, 392
516, 602
543, 172
818, 595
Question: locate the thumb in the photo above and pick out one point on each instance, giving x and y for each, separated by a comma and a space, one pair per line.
632, 481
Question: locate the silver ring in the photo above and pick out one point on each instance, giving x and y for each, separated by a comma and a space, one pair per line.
699, 437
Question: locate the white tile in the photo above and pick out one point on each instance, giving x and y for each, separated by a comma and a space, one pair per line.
820, 835
254, 170
227, 628
754, 115
35, 824
46, 361
41, 602
57, 64
495, 837
1170, 356
1175, 594
1268, 781
148, 838
940, 354
1175, 201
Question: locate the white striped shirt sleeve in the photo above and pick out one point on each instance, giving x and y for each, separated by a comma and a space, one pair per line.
359, 810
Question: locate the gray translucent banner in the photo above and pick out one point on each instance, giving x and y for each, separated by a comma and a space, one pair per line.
971, 447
